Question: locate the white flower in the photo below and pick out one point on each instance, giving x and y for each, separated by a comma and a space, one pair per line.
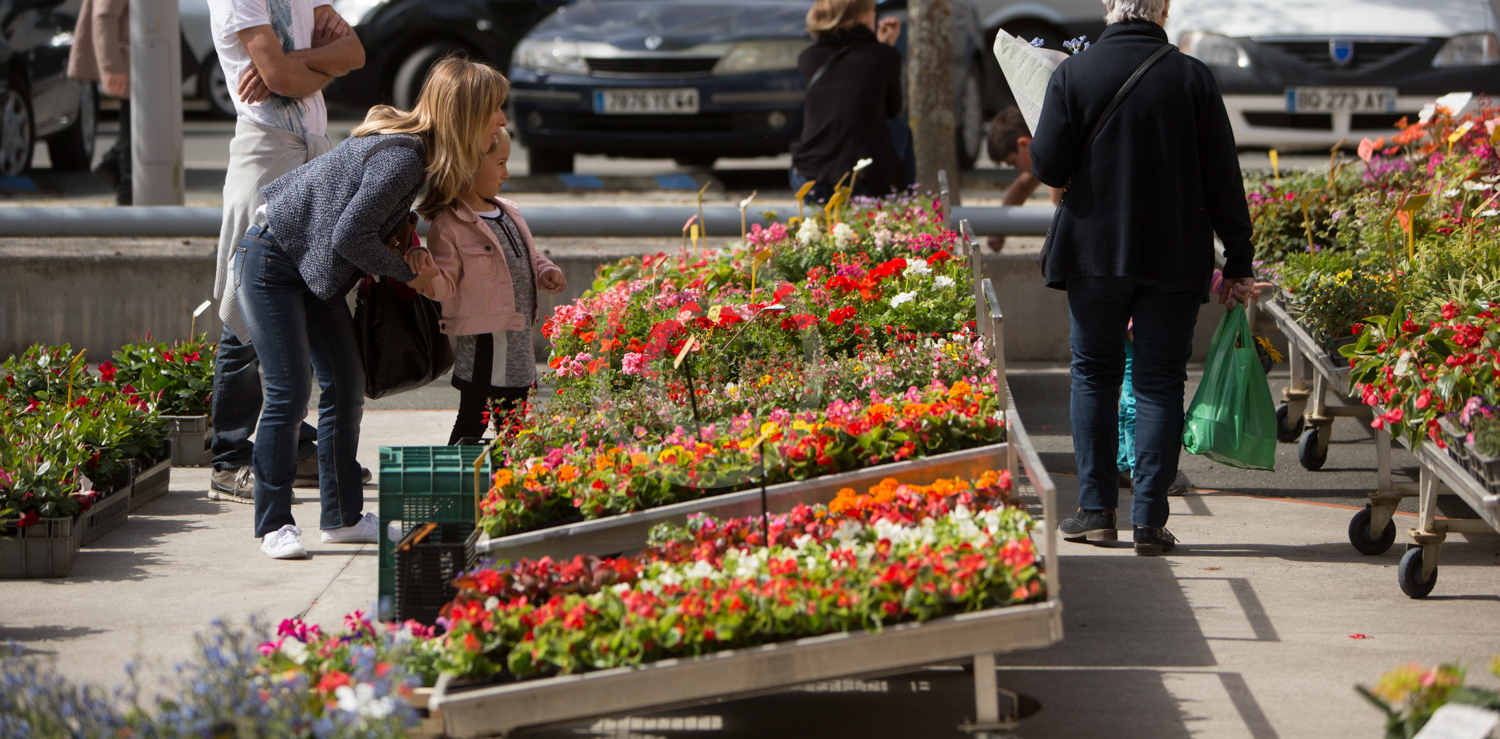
491, 603
905, 297
843, 235
809, 232
802, 541
848, 531
620, 588
748, 565
1488, 213
1476, 186
295, 650
669, 578
883, 236
942, 281
360, 700
699, 570
1450, 192
916, 267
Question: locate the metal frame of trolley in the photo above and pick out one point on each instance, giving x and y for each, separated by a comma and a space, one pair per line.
1309, 360
965, 638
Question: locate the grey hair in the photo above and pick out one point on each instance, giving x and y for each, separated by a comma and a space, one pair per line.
1124, 10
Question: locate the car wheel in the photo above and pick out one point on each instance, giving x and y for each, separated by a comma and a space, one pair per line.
213, 87
412, 74
970, 119
17, 132
550, 161
73, 149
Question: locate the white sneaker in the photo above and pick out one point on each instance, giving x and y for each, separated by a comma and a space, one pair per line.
284, 543
364, 532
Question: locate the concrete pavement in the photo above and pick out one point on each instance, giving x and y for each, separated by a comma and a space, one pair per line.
1245, 631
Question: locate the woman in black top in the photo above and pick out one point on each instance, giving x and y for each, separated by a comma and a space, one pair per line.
853, 108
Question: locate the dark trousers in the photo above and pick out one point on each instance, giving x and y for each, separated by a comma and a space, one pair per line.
292, 328
117, 159
1099, 308
236, 406
478, 411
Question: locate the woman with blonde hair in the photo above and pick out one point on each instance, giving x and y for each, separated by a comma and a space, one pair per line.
325, 225
852, 75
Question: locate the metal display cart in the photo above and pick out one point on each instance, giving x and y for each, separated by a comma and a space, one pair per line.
971, 637
1305, 416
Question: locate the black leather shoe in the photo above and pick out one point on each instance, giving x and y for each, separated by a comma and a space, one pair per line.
1151, 541
1090, 526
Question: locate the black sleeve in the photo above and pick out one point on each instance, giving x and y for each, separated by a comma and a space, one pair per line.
1054, 148
893, 85
1223, 185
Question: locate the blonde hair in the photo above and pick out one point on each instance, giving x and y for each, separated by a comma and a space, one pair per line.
455, 106
830, 16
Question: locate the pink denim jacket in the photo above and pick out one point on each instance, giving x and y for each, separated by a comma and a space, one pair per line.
473, 283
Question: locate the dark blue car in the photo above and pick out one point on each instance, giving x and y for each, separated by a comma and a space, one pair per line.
694, 80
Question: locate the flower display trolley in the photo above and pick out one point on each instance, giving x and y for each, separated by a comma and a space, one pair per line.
1305, 416
965, 638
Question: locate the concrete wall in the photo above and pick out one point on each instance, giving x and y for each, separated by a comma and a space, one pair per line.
101, 294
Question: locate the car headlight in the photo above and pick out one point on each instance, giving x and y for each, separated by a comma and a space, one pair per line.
354, 12
1469, 50
551, 56
761, 56
1213, 49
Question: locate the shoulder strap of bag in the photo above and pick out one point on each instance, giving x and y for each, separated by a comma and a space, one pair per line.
405, 141
1125, 90
823, 69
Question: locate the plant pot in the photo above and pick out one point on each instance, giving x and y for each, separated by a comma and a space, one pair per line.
151, 482
105, 515
1458, 444
1333, 346
44, 549
190, 437
1487, 470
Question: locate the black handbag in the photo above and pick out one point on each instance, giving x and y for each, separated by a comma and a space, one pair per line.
399, 338
1041, 260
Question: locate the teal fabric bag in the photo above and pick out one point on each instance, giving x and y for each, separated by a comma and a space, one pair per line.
1232, 419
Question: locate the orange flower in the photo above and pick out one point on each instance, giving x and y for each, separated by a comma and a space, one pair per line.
915, 410
960, 390
567, 473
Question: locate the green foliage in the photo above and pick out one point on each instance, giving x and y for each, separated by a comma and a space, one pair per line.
178, 378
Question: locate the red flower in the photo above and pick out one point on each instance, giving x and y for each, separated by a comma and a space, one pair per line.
28, 519
107, 372
333, 681
1410, 326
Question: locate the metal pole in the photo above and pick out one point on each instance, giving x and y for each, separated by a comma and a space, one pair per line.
156, 103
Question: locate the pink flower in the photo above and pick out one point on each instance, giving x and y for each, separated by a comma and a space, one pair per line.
633, 363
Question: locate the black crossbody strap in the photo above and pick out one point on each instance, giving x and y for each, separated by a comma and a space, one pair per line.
1124, 90
823, 69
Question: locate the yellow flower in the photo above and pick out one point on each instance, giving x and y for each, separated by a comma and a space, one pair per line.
764, 380
639, 459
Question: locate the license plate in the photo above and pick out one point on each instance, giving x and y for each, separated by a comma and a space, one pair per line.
1340, 100
682, 101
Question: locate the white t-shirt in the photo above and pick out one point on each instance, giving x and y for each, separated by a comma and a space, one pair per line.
292, 21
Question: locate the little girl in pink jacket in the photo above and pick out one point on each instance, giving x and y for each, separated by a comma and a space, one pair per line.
489, 272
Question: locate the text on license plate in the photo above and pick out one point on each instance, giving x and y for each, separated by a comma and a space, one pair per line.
1340, 100
682, 101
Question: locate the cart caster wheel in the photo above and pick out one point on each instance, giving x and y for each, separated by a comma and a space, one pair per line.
1308, 454
1286, 433
1359, 534
1409, 573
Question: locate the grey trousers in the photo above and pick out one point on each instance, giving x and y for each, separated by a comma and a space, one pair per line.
257, 155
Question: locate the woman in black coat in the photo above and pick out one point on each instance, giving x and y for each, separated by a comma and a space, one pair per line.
1135, 240
853, 107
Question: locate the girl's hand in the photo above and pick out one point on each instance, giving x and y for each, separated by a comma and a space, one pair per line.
421, 262
553, 280
888, 31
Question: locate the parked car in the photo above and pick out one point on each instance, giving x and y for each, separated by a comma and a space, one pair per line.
1307, 74
402, 38
695, 80
1052, 21
203, 77
37, 100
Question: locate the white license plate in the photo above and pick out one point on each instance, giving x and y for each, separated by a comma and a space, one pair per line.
682, 101
1340, 100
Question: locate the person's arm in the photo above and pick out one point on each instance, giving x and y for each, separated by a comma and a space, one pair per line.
449, 265
113, 64
272, 70
390, 177
1020, 191
1054, 148
1223, 185
336, 50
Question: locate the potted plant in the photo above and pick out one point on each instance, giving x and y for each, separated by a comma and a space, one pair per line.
177, 381
41, 499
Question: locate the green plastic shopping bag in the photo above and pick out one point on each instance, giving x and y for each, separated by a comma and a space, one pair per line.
1231, 419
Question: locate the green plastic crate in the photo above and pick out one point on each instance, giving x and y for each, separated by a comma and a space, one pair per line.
422, 484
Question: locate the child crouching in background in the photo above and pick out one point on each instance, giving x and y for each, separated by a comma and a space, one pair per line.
488, 275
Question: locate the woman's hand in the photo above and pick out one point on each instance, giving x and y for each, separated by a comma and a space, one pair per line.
888, 31
1243, 291
420, 261
553, 281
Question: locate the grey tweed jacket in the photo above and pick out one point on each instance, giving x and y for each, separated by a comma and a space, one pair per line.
333, 215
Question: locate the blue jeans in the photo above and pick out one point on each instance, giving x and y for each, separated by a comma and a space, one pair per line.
1126, 459
901, 139
291, 328
236, 406
1099, 308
